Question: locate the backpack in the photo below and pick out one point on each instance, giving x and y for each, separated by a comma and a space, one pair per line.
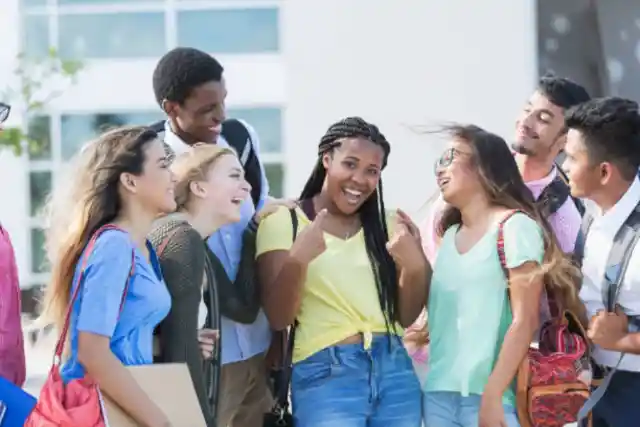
556, 193
238, 137
618, 260
550, 385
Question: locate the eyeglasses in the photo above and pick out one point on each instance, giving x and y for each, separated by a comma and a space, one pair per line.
446, 158
5, 109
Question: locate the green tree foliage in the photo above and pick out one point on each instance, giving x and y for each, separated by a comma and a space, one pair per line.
32, 93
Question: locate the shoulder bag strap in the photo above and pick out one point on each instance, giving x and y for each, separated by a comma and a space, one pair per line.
78, 282
282, 399
617, 263
578, 249
281, 406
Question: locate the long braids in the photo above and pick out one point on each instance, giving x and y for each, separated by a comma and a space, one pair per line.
372, 212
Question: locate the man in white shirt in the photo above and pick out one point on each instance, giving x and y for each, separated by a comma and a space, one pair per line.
603, 156
190, 88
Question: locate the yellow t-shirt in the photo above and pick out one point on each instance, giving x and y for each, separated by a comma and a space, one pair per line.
340, 298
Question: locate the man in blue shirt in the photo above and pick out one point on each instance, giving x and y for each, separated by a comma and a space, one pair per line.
190, 88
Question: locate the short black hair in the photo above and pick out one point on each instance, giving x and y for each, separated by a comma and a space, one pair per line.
563, 92
610, 128
180, 71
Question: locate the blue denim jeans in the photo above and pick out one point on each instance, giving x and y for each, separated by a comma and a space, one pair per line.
348, 386
449, 409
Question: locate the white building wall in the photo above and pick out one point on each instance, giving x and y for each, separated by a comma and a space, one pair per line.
400, 67
403, 66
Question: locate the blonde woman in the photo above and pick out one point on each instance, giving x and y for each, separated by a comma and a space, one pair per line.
123, 179
209, 191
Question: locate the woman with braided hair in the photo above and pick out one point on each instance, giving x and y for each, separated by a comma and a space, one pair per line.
350, 281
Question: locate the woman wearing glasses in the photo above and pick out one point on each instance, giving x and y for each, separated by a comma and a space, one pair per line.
12, 363
478, 332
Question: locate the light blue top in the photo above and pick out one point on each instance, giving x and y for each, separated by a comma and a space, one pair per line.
469, 310
239, 342
97, 308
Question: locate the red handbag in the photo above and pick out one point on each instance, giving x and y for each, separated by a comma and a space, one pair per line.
78, 403
550, 391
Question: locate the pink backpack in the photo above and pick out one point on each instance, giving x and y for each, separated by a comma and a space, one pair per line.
12, 359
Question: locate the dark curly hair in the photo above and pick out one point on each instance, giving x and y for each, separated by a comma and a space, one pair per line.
180, 71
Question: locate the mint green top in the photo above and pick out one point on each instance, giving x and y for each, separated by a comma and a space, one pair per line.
469, 310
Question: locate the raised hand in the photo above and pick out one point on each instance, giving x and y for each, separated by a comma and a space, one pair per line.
404, 245
310, 241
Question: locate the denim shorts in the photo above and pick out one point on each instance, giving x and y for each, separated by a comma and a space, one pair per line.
449, 409
348, 386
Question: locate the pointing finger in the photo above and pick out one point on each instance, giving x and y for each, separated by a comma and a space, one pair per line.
320, 217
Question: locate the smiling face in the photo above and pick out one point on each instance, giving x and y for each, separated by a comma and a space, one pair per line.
352, 173
201, 115
224, 190
456, 174
154, 188
539, 129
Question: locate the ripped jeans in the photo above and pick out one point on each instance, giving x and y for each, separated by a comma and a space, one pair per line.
347, 386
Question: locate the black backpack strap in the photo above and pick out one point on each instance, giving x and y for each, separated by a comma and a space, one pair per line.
579, 204
281, 406
553, 196
157, 127
237, 136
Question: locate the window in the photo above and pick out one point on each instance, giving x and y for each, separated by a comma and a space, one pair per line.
267, 122
107, 2
39, 189
275, 177
39, 130
129, 35
136, 28
36, 35
75, 129
38, 253
252, 30
78, 129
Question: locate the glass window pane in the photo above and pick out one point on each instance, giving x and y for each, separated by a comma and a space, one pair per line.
92, 2
78, 129
268, 124
275, 177
39, 189
28, 3
230, 30
36, 35
39, 132
130, 35
38, 254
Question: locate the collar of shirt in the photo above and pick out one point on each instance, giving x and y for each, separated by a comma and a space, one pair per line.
178, 145
536, 186
611, 221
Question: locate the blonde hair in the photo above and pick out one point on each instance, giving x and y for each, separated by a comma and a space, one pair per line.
194, 165
84, 201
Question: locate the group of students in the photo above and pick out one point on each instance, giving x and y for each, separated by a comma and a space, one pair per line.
363, 291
